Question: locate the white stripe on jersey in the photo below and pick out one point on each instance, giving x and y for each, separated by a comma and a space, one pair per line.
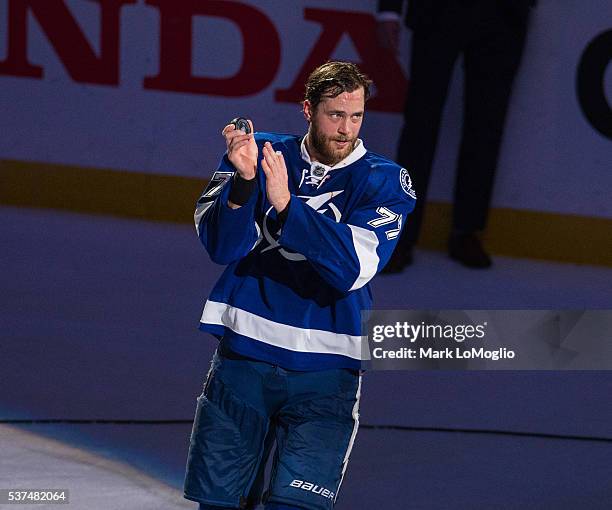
199, 212
365, 243
314, 341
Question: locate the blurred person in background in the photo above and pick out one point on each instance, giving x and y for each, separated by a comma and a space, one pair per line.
490, 36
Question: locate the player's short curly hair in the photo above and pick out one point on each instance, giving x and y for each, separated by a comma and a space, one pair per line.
333, 78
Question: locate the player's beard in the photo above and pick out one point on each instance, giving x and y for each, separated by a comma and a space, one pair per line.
324, 147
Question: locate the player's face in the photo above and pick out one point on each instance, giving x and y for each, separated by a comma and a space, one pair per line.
334, 126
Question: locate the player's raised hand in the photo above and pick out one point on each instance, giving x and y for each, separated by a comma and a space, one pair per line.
241, 150
277, 187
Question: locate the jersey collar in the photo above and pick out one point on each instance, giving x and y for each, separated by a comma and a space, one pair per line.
357, 153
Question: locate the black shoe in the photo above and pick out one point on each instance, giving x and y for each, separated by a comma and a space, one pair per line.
467, 249
398, 262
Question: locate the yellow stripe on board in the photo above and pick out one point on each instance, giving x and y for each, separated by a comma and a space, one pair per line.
127, 194
512, 232
530, 234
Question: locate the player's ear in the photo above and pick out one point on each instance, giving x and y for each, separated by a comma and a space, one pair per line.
307, 110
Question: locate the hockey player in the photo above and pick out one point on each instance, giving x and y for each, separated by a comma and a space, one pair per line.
303, 223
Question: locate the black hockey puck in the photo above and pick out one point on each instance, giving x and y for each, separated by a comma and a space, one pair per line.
241, 123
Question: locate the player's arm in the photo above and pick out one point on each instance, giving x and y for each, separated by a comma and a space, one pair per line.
346, 255
242, 153
225, 213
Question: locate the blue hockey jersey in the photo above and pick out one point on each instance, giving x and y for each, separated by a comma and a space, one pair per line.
292, 293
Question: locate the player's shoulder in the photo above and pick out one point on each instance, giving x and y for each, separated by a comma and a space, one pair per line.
286, 139
376, 160
385, 176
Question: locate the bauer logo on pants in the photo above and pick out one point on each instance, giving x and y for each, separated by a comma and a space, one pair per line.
311, 487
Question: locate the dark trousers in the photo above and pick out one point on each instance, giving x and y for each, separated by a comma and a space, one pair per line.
490, 39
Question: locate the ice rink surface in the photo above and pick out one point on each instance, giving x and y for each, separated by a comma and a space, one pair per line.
98, 321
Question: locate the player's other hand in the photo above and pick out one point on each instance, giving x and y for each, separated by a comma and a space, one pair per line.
277, 187
241, 150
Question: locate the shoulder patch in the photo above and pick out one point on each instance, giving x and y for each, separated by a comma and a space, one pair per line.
406, 183
215, 185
